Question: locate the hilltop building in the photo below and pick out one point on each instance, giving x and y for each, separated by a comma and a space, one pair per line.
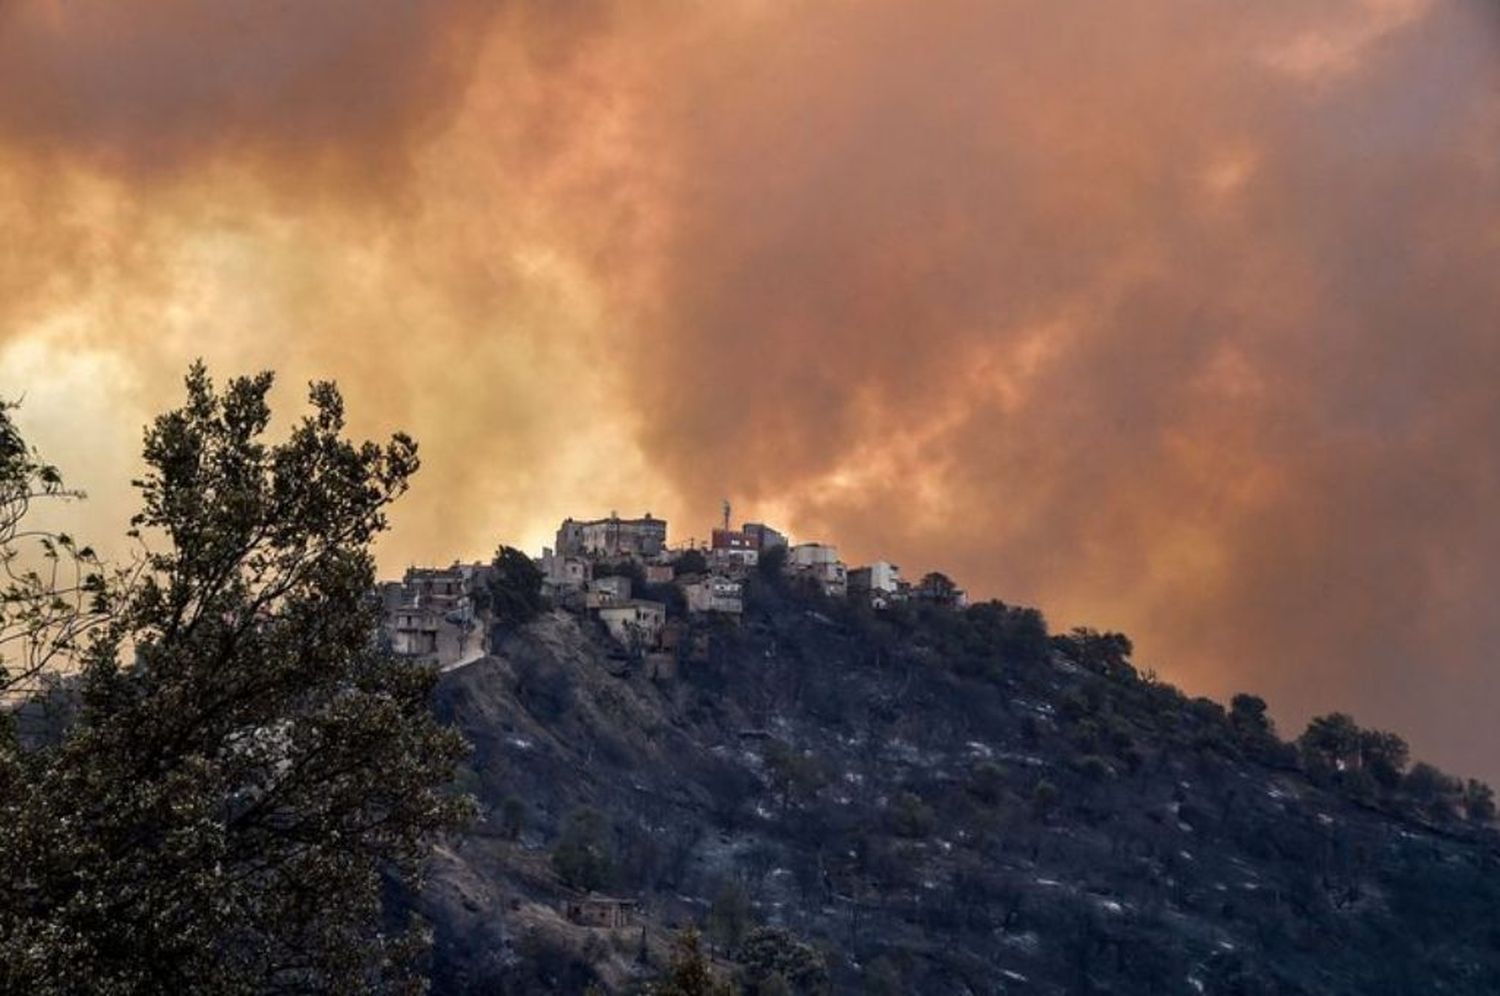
746, 542
419, 631
734, 545
715, 594
763, 536
880, 584
635, 624
821, 562
743, 546
430, 615
614, 537
561, 573
611, 590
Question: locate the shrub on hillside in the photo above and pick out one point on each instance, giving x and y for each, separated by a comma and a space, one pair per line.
773, 961
911, 817
513, 593
583, 858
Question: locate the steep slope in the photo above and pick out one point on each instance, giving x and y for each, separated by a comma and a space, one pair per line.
937, 802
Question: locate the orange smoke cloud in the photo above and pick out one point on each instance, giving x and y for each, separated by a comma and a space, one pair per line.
1175, 318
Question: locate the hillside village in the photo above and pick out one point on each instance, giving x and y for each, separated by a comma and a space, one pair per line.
723, 738
624, 573
916, 800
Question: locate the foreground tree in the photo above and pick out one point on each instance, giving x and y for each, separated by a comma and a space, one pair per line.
248, 771
53, 592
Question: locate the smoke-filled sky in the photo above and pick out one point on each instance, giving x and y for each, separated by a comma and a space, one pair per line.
1178, 317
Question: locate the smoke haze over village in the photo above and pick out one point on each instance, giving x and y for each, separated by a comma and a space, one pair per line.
1179, 319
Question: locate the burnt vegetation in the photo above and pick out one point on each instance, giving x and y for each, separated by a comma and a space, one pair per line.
924, 799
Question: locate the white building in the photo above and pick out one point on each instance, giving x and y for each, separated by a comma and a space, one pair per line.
819, 561
812, 555
880, 583
636, 625
715, 594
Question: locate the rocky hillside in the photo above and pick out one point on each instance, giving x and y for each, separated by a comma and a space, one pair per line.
929, 801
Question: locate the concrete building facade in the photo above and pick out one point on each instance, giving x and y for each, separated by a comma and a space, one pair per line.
764, 536
879, 583
613, 589
734, 544
611, 537
819, 561
429, 614
636, 624
715, 594
561, 572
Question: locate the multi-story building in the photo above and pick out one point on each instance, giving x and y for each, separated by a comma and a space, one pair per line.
442, 588
764, 537
429, 613
880, 583
613, 537
745, 544
715, 594
562, 573
635, 624
821, 562
734, 545
611, 590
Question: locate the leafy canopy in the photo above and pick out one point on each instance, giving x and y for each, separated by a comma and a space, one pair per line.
513, 593
53, 591
248, 770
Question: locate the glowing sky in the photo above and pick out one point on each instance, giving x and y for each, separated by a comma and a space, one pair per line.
1178, 317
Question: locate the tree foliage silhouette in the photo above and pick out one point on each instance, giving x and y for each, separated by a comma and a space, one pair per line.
247, 770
